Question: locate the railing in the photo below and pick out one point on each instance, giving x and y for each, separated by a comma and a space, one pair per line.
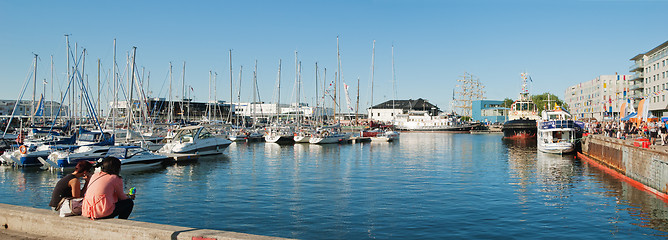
636, 86
635, 65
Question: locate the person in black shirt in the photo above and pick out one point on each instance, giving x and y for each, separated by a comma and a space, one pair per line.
70, 186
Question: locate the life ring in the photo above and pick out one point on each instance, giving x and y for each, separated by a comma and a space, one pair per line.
23, 149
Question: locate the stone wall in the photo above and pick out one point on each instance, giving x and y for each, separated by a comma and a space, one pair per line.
648, 166
47, 223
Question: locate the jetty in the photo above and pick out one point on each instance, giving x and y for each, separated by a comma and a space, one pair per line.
20, 222
643, 166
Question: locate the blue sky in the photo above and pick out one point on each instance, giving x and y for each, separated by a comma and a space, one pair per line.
559, 43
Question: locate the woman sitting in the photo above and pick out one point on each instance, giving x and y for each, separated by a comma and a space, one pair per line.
70, 186
105, 197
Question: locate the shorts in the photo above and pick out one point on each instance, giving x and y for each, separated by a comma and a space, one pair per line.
652, 134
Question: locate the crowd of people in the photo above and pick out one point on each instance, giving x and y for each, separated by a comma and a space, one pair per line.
656, 132
102, 192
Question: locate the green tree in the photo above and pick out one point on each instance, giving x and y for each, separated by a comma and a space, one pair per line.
507, 102
542, 101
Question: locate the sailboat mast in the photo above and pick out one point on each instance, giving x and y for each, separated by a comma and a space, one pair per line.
98, 88
34, 90
115, 105
317, 101
336, 79
231, 87
183, 90
394, 83
52, 83
131, 86
373, 59
215, 94
67, 42
254, 93
357, 104
278, 102
170, 112
208, 105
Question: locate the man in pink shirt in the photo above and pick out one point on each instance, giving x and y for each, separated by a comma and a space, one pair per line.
105, 197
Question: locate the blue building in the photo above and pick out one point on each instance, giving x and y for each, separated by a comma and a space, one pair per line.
491, 111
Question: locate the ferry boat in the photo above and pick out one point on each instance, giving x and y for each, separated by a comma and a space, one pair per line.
522, 116
423, 121
556, 132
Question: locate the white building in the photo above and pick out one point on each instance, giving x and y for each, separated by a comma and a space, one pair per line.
650, 79
25, 108
270, 109
600, 98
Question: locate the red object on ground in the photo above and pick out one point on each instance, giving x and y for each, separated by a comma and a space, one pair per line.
634, 183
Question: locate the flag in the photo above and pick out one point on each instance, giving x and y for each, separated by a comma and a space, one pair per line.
530, 79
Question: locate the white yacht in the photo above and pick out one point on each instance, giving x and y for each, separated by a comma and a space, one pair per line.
556, 132
195, 139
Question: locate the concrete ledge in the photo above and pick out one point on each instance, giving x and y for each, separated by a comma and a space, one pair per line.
47, 223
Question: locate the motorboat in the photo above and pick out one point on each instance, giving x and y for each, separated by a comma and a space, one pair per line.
556, 132
330, 134
135, 158
386, 136
195, 140
68, 159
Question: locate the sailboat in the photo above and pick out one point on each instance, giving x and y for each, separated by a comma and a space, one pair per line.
277, 133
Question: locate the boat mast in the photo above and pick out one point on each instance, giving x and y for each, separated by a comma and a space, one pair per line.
170, 112
317, 101
208, 104
215, 94
98, 88
231, 87
373, 58
113, 66
254, 93
183, 90
278, 103
131, 86
336, 79
52, 83
394, 87
34, 89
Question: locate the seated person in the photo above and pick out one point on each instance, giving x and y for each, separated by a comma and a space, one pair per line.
105, 197
70, 186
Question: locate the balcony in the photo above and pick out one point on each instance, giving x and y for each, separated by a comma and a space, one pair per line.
638, 76
636, 86
636, 66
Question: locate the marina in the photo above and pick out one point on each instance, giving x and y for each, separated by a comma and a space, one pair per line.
427, 186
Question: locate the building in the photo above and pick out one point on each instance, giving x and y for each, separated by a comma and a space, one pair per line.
489, 111
650, 79
600, 98
25, 108
387, 111
158, 108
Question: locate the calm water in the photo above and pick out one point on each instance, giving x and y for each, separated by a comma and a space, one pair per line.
427, 186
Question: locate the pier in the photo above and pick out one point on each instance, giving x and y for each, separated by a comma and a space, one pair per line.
648, 166
46, 224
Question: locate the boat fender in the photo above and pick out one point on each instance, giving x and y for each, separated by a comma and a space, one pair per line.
23, 149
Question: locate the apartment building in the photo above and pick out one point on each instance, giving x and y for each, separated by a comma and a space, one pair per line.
600, 98
650, 79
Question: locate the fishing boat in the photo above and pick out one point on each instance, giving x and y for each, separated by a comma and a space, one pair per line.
197, 140
135, 158
556, 132
522, 116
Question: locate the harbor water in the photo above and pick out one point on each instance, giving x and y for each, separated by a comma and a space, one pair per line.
426, 186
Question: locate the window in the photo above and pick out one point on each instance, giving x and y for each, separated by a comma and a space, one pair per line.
379, 114
663, 98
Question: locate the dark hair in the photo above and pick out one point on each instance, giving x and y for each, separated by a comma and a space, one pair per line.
83, 166
111, 165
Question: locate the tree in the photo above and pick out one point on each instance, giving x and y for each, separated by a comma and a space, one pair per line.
542, 101
507, 102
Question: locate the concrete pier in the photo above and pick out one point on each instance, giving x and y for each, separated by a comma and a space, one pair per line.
648, 166
46, 224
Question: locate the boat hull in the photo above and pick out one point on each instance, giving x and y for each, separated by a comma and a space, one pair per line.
520, 129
